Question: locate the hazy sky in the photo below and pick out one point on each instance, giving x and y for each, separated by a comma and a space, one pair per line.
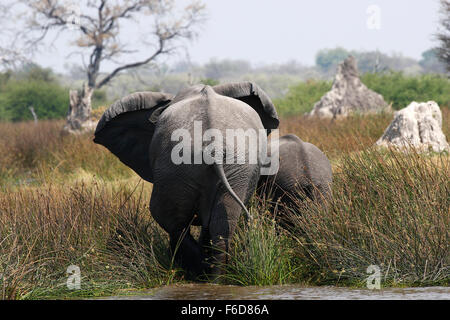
275, 31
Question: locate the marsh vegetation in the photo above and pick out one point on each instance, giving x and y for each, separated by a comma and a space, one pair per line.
66, 201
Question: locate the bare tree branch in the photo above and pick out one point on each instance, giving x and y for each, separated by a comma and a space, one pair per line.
131, 65
12, 54
98, 28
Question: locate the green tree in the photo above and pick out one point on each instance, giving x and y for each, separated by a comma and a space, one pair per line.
34, 72
395, 87
49, 100
401, 90
4, 78
328, 59
430, 62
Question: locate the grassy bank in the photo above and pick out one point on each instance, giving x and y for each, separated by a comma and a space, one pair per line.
66, 201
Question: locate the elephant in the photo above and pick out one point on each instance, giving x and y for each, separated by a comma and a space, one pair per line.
304, 171
140, 128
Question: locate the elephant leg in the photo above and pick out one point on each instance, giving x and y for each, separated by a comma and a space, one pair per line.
175, 216
188, 253
205, 242
225, 215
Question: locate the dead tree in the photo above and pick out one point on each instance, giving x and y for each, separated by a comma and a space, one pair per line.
97, 26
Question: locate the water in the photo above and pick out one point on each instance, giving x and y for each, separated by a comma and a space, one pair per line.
287, 292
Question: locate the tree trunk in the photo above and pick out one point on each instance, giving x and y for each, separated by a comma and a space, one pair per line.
79, 116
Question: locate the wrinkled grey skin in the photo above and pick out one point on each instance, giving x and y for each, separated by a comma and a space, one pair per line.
138, 130
304, 172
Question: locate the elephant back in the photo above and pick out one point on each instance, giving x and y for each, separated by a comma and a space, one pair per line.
254, 96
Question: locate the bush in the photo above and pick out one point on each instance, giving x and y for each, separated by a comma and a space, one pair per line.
302, 97
209, 82
396, 88
48, 99
4, 114
401, 90
99, 99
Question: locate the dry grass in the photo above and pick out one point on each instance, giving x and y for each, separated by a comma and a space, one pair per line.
343, 136
43, 153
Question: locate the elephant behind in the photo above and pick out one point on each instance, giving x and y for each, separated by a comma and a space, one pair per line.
139, 129
304, 171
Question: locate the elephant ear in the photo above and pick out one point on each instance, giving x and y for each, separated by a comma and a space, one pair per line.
126, 129
254, 96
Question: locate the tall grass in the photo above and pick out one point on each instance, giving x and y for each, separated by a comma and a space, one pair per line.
65, 200
106, 231
388, 209
261, 252
43, 153
336, 138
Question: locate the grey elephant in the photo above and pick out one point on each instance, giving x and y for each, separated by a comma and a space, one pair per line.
304, 171
139, 130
